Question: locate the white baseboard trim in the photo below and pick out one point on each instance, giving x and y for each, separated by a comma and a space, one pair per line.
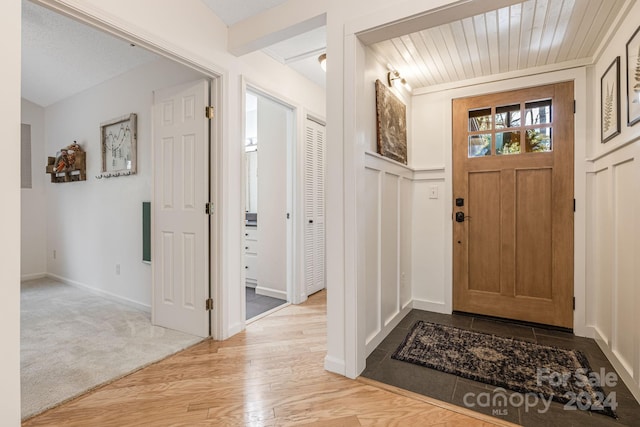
626, 377
273, 293
382, 334
436, 307
334, 365
234, 329
32, 276
102, 293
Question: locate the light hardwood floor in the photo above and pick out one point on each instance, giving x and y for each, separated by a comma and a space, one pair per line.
270, 375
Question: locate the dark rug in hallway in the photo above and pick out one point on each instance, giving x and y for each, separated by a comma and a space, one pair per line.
522, 366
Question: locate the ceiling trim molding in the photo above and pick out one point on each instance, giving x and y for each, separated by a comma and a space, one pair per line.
433, 18
503, 76
251, 34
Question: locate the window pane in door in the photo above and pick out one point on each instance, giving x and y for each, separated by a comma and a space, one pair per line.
538, 112
538, 140
508, 142
479, 145
480, 119
507, 116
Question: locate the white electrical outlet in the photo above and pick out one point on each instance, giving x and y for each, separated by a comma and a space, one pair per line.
118, 269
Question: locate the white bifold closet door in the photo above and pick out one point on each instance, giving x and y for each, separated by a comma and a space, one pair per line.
314, 229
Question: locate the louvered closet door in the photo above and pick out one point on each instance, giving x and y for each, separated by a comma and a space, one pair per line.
314, 164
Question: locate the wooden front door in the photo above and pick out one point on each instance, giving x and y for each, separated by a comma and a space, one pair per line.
513, 204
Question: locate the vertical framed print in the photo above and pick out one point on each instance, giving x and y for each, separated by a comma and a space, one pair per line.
633, 79
119, 146
610, 101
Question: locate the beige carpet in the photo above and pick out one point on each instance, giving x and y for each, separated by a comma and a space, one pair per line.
73, 341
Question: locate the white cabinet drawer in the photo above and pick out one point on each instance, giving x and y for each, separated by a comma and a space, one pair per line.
250, 247
251, 233
251, 266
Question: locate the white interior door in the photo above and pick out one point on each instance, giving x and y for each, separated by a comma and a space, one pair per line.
273, 134
314, 228
180, 244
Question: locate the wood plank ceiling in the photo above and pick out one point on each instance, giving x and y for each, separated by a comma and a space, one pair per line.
525, 35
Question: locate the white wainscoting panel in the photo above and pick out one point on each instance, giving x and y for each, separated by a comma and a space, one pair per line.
390, 259
372, 252
625, 191
613, 268
428, 233
388, 245
602, 242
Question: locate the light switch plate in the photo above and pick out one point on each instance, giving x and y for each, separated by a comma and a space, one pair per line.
433, 192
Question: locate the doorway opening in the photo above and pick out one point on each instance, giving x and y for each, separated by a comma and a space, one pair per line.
268, 229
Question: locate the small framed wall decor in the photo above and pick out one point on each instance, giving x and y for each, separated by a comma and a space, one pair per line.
633, 79
119, 145
610, 101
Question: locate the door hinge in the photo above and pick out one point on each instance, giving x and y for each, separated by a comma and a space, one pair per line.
208, 112
208, 208
209, 304
574, 205
574, 106
574, 303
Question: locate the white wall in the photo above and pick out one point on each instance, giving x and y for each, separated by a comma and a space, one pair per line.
386, 212
33, 237
95, 224
10, 223
613, 273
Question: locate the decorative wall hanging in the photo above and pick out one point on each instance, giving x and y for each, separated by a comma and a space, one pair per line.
391, 124
119, 145
633, 79
610, 101
68, 165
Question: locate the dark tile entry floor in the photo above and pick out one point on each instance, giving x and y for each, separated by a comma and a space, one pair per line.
258, 304
466, 393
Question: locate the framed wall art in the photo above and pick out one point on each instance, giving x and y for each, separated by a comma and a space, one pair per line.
391, 124
610, 101
633, 79
119, 145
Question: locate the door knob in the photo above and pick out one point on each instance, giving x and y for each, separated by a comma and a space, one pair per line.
459, 216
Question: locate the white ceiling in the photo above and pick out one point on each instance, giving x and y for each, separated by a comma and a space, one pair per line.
301, 53
234, 11
529, 34
62, 57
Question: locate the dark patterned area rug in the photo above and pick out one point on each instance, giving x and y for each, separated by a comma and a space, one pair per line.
510, 363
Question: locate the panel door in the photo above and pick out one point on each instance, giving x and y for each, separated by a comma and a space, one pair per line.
513, 204
180, 224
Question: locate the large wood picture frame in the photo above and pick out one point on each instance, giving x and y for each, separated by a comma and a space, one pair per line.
391, 124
